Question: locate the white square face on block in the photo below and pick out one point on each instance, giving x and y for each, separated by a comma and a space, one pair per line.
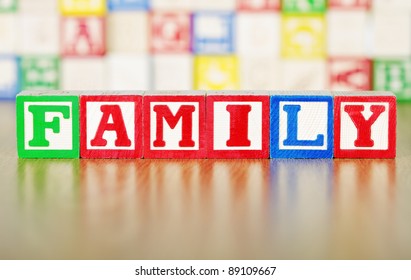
83, 74
260, 73
304, 75
222, 125
379, 130
8, 76
8, 34
312, 121
172, 137
58, 141
94, 116
210, 26
181, 78
172, 5
214, 5
128, 72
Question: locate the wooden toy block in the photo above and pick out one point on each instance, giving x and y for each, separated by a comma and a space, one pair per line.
47, 124
127, 32
83, 36
250, 42
43, 7
393, 75
83, 74
9, 78
258, 5
82, 7
304, 6
128, 5
303, 74
216, 73
170, 32
111, 124
350, 4
303, 37
40, 72
213, 32
301, 124
237, 124
214, 5
364, 125
181, 78
38, 34
259, 72
349, 74
8, 36
348, 33
128, 71
8, 6
174, 124
393, 5
175, 5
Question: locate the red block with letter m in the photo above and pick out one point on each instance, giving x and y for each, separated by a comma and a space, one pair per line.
111, 125
174, 124
364, 125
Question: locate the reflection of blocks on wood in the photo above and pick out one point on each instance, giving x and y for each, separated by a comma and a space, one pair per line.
8, 6
304, 6
76, 74
9, 78
179, 79
238, 125
304, 75
258, 5
8, 36
213, 32
83, 36
111, 125
127, 5
174, 124
364, 125
170, 32
349, 73
249, 41
127, 32
216, 73
301, 125
82, 7
128, 71
47, 124
350, 4
303, 36
40, 72
348, 33
260, 72
393, 75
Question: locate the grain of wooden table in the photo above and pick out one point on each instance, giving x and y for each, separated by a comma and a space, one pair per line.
204, 209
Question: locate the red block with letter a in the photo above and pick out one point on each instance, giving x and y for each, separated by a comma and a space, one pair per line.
174, 124
111, 124
238, 125
364, 125
258, 5
350, 4
347, 74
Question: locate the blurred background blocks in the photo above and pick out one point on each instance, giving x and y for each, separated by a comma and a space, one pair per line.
40, 72
9, 79
8, 6
83, 7
304, 6
350, 73
258, 5
127, 5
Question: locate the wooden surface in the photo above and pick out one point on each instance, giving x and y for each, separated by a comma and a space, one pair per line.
204, 209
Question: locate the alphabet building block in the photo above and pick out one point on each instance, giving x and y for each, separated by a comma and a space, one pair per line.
174, 124
40, 72
301, 125
8, 36
84, 73
9, 78
82, 7
349, 74
181, 78
238, 124
350, 4
111, 124
128, 5
47, 124
304, 6
258, 5
364, 125
8, 6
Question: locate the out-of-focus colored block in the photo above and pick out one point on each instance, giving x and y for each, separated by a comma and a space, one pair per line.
83, 74
304, 75
260, 72
391, 33
9, 77
8, 34
304, 6
393, 5
128, 5
350, 4
40, 72
214, 5
393, 75
213, 32
8, 6
82, 7
258, 5
127, 32
303, 37
175, 5
84, 36
44, 7
38, 34
265, 41
170, 32
348, 33
216, 72
128, 71
181, 78
349, 74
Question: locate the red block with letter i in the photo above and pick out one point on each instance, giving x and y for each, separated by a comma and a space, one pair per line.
238, 125
111, 124
364, 125
174, 124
